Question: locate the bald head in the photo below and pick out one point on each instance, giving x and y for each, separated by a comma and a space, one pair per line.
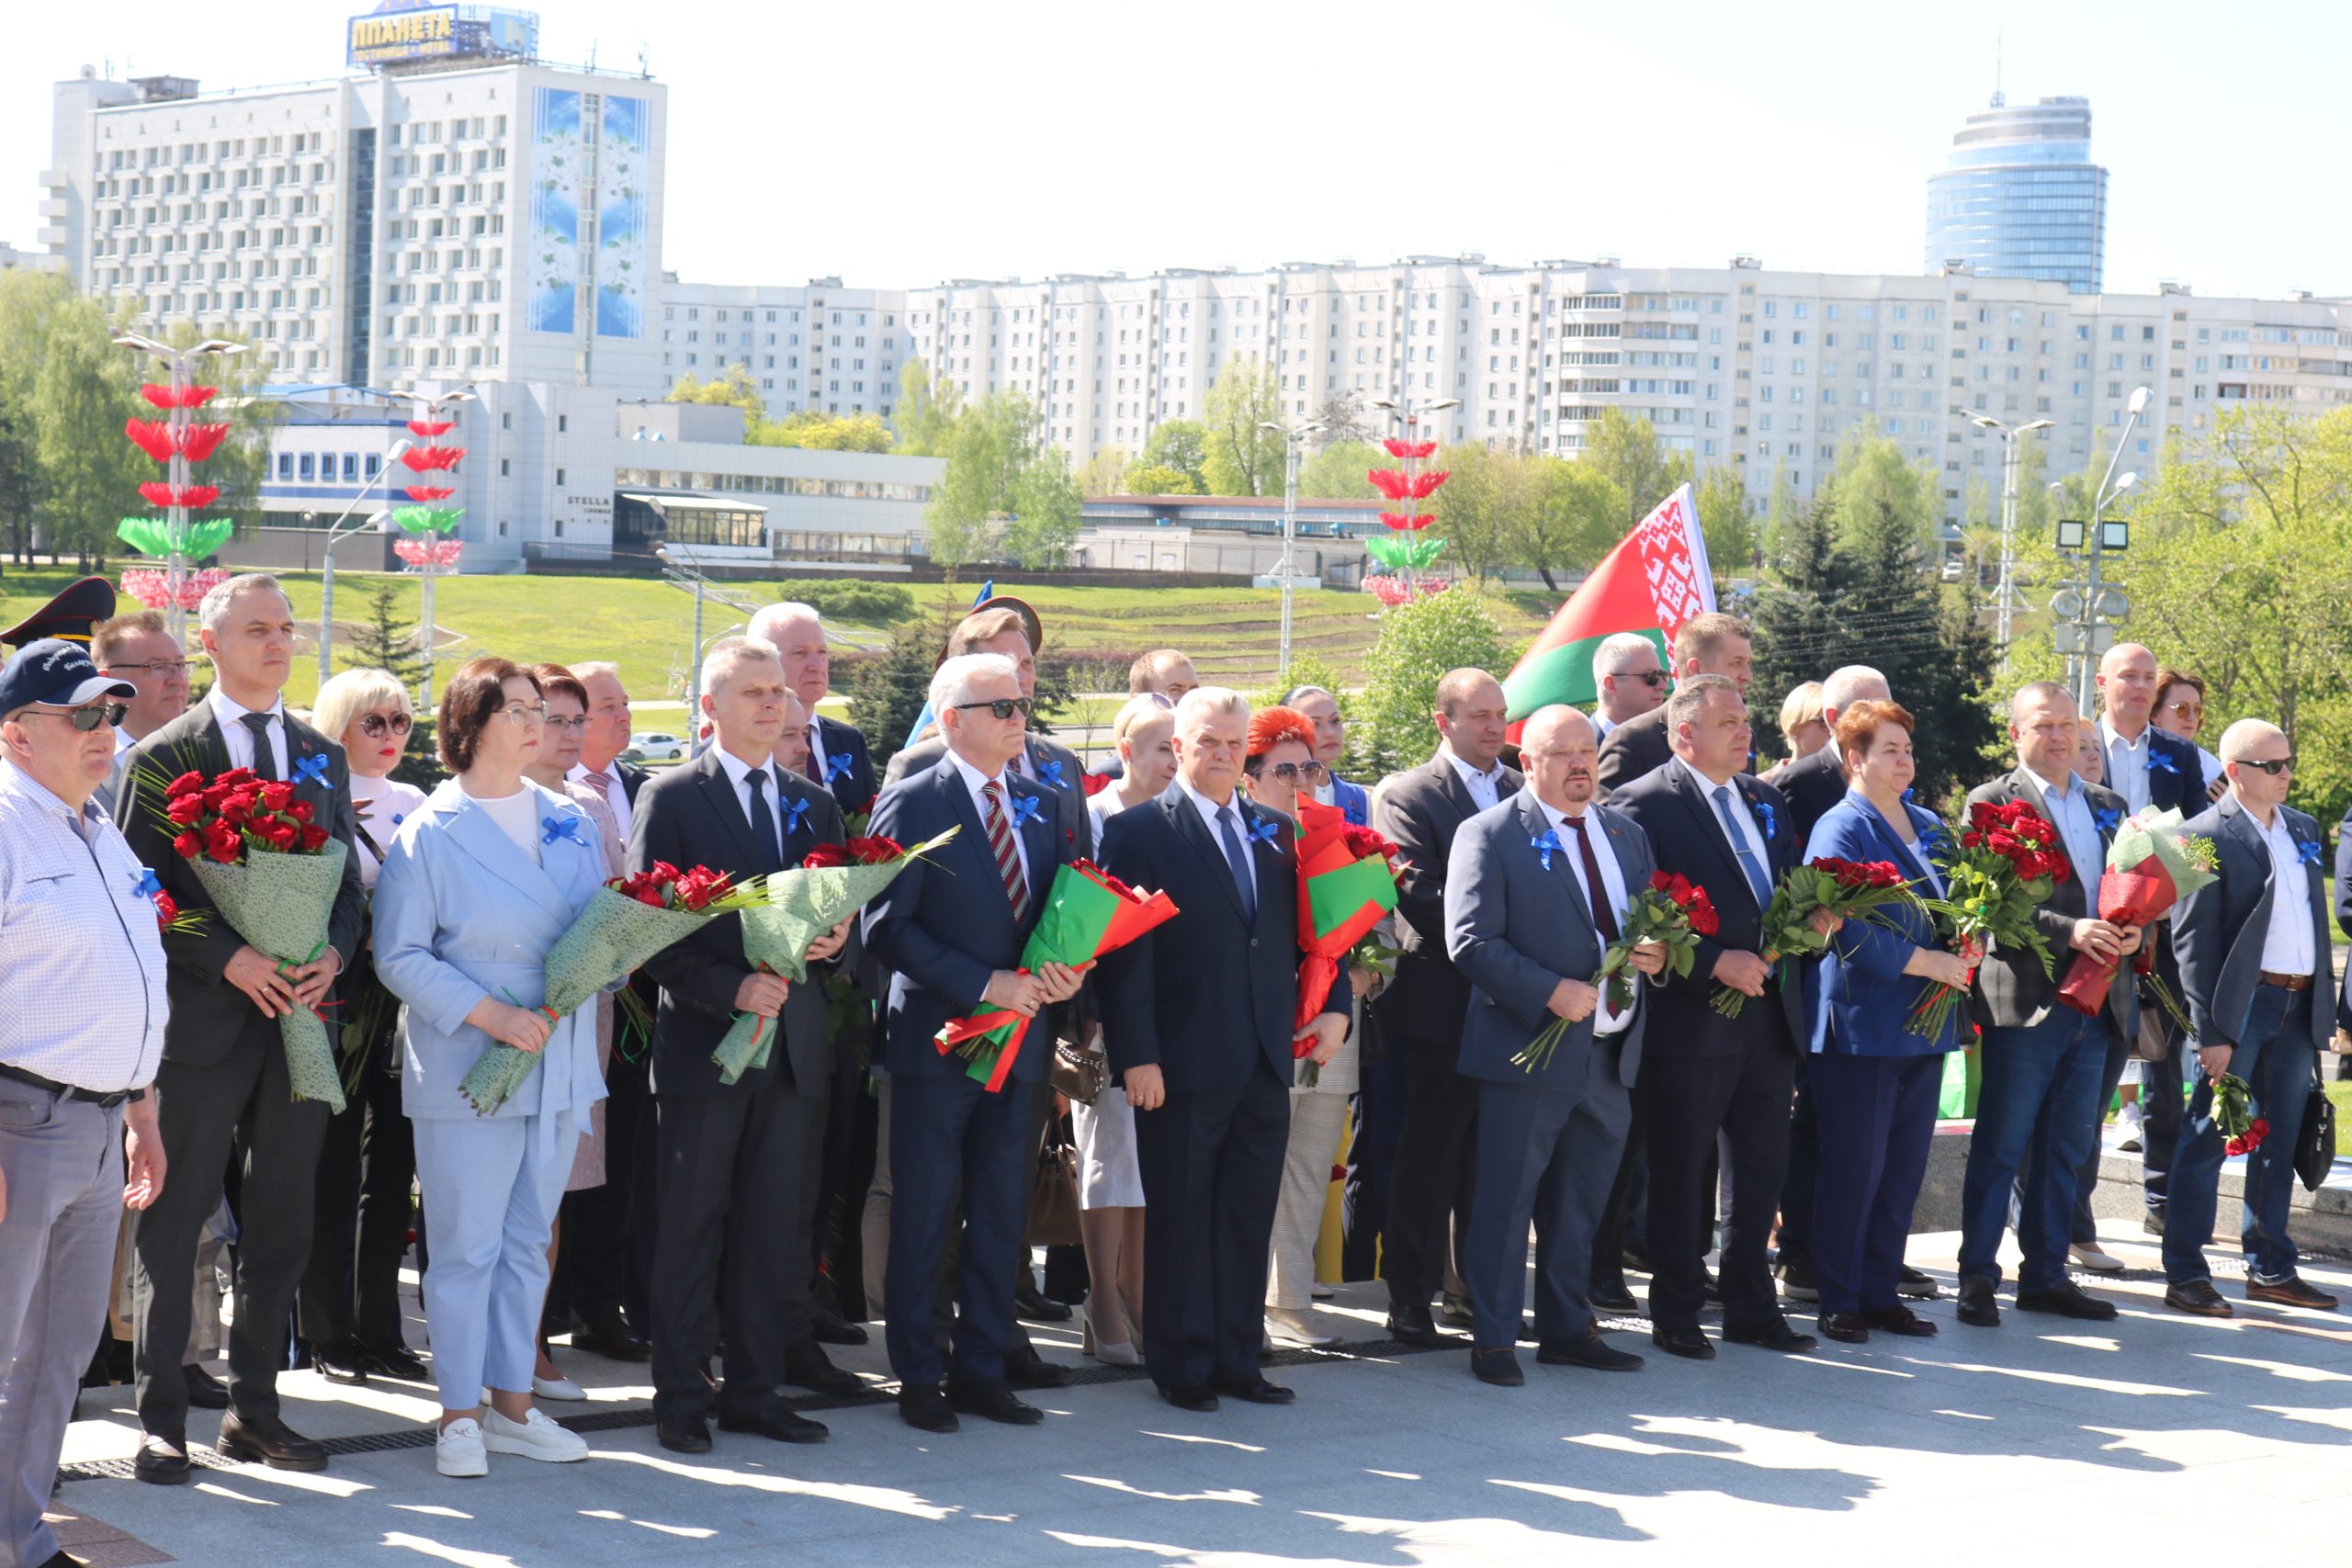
2127, 685
2260, 765
1561, 754
1849, 684
2248, 737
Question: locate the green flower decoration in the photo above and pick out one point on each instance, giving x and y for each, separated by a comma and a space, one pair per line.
428, 519
156, 536
1404, 553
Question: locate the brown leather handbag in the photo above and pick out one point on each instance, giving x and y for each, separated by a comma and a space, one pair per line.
1053, 1207
1079, 1071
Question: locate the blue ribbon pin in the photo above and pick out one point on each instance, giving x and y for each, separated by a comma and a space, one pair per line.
1545, 846
2309, 850
554, 828
836, 770
146, 886
2106, 819
1026, 811
793, 813
312, 768
1765, 812
2158, 759
1262, 829
1051, 772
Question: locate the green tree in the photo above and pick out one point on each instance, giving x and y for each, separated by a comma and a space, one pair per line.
732, 389
1046, 508
28, 302
1000, 491
1105, 473
1575, 515
1181, 445
386, 641
1151, 478
1482, 507
927, 410
886, 694
89, 475
817, 430
1417, 644
1337, 472
1242, 456
1628, 450
1874, 482
1727, 519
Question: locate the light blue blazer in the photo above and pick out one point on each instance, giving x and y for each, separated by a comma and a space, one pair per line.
1861, 999
462, 914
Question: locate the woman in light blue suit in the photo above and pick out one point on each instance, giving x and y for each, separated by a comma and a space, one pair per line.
480, 882
1874, 1084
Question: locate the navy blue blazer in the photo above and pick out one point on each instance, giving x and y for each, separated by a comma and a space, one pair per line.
849, 766
1687, 837
2175, 774
1208, 995
1861, 999
1353, 800
943, 926
2218, 930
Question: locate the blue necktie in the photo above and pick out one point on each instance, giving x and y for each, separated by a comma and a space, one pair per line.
1758, 883
1239, 859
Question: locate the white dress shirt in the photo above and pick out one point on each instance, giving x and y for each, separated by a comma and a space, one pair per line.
231, 715
2069, 810
2126, 765
739, 772
1601, 724
615, 794
977, 781
81, 961
1740, 814
1209, 809
1486, 788
2287, 945
517, 817
1612, 888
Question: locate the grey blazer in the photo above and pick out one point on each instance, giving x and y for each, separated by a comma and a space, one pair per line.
2011, 990
2219, 929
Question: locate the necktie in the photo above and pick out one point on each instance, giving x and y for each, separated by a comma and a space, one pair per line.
265, 755
601, 783
1008, 853
808, 763
771, 853
1604, 918
1229, 828
1758, 883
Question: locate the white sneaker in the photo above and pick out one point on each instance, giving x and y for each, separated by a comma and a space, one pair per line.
534, 1436
1323, 1292
458, 1449
2128, 1125
557, 1388
1298, 1328
2091, 1255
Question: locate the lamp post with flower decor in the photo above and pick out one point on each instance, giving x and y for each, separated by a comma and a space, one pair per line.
178, 441
1408, 550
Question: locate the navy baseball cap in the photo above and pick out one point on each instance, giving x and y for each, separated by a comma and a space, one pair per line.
56, 673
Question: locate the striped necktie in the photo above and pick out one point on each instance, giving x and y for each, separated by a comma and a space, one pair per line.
1008, 853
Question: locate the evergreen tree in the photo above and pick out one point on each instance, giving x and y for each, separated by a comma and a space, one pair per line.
386, 642
886, 695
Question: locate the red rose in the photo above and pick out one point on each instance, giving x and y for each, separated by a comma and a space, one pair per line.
223, 843
185, 810
825, 855
1681, 891
212, 796
278, 835
2258, 1128
663, 872
1703, 918
314, 838
165, 910
2235, 1146
874, 850
300, 811
651, 896
190, 783
1660, 881
188, 845
238, 778
277, 796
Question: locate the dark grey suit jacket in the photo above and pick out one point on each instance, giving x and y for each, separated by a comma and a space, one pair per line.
2219, 929
1635, 747
2011, 990
1812, 785
1420, 810
1051, 763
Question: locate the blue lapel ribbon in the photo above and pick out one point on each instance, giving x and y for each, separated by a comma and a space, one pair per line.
2158, 759
1261, 828
312, 768
2106, 819
794, 812
1049, 771
836, 770
554, 828
146, 886
1026, 811
1546, 846
1764, 812
2307, 848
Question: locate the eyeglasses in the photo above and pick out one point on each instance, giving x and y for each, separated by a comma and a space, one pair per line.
2274, 766
568, 721
156, 667
526, 713
376, 726
1291, 772
84, 718
1651, 678
2185, 710
1003, 707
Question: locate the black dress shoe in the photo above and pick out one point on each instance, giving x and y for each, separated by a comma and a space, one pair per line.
2153, 1221
1712, 1286
162, 1458
1796, 1279
1846, 1328
395, 1361
779, 1422
806, 1366
610, 1336
1900, 1319
1037, 1307
205, 1392
2066, 1299
831, 1329
993, 1402
1453, 1311
2199, 1297
1688, 1343
342, 1363
1254, 1391
925, 1408
682, 1434
1417, 1328
1920, 1287
1977, 1307
1024, 1367
1201, 1399
61, 1558
1774, 1335
1611, 1295
1587, 1349
268, 1440
1498, 1367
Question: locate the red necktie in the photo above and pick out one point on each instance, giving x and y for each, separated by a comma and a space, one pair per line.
1604, 919
1008, 855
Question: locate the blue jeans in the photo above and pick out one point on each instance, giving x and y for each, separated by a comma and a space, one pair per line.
2275, 1058
2057, 1064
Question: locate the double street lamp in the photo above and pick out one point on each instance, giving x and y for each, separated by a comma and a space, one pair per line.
2006, 599
1293, 437
680, 571
2087, 612
338, 533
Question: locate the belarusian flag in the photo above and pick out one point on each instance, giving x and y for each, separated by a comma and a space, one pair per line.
1655, 579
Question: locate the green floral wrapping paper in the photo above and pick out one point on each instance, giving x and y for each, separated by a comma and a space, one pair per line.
280, 904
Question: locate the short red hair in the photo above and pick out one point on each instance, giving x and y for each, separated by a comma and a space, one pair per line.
1268, 727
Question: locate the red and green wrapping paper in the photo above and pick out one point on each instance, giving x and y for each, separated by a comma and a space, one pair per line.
2151, 866
1088, 913
1343, 892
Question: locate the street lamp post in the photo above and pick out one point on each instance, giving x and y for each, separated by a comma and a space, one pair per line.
682, 571
1294, 436
2099, 606
2006, 601
1405, 413
338, 533
182, 365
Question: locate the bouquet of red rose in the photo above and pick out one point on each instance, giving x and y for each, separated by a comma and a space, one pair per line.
1347, 882
628, 920
273, 873
1673, 910
1848, 889
2151, 866
1087, 912
2006, 863
801, 905
2234, 1115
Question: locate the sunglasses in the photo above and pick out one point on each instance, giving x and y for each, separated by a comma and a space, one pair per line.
1003, 707
2274, 766
84, 718
2184, 710
1289, 773
376, 726
1651, 678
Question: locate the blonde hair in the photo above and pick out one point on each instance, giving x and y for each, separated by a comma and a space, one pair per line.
1139, 711
352, 694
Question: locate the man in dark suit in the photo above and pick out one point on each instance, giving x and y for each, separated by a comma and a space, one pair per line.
1812, 784
1532, 902
2257, 971
2040, 1100
837, 757
1420, 810
1197, 1019
1711, 643
733, 1172
1708, 1074
223, 1088
951, 930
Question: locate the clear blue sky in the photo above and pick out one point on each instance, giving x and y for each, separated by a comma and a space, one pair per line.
899, 145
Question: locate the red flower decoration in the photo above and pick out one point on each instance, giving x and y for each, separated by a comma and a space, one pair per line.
431, 429
152, 436
1407, 522
428, 459
1401, 450
185, 398
429, 492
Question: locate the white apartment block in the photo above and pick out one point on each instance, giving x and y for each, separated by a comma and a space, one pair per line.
814, 346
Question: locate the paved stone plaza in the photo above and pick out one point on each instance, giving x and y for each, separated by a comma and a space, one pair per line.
2031, 1441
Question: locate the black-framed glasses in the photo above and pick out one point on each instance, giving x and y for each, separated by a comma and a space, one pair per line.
84, 718
2274, 766
376, 726
153, 666
567, 721
1001, 707
1293, 772
526, 713
1651, 678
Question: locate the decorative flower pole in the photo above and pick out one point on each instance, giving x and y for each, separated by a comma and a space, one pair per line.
179, 441
430, 523
1407, 550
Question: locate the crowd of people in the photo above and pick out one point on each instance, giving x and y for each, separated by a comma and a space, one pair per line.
633, 1200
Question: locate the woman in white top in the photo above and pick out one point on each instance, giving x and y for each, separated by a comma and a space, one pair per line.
349, 1308
1110, 1185
485, 878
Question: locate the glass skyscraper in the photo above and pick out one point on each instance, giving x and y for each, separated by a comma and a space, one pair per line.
2019, 196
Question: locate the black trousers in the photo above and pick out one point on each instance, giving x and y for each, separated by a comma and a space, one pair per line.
1627, 1213
1212, 1164
1805, 1172
241, 1108
1371, 1159
607, 1261
734, 1194
1742, 1095
366, 1169
1436, 1149
836, 1259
